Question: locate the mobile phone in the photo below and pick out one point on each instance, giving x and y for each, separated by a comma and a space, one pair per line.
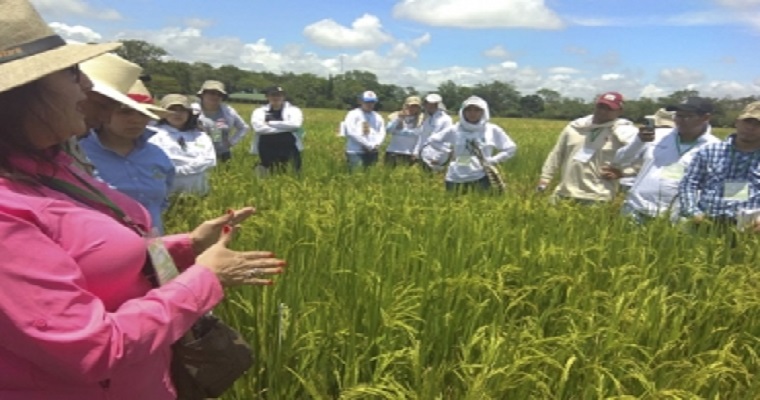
649, 122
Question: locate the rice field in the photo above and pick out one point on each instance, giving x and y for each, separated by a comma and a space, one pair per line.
397, 290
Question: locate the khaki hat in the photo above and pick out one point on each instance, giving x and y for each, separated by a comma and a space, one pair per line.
139, 93
113, 76
29, 49
664, 118
176, 100
411, 100
752, 111
213, 85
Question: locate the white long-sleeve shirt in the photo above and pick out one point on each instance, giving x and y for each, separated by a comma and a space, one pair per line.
495, 144
191, 152
356, 140
434, 123
664, 162
292, 121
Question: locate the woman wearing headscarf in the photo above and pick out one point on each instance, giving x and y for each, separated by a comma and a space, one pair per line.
78, 314
225, 126
474, 143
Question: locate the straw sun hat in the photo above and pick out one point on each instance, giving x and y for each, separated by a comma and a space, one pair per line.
113, 77
29, 49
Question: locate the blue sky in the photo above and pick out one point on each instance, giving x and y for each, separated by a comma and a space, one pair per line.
580, 48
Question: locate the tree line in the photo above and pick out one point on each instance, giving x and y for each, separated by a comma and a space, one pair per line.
340, 91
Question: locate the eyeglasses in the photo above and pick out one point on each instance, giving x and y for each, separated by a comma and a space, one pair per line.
685, 116
76, 72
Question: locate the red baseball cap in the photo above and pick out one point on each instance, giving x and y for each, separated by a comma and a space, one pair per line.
612, 99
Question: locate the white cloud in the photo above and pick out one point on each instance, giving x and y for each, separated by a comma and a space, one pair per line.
422, 40
365, 33
678, 77
66, 8
564, 70
612, 77
653, 91
479, 14
496, 52
75, 33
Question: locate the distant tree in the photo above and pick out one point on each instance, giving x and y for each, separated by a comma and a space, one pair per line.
531, 105
141, 52
549, 96
503, 99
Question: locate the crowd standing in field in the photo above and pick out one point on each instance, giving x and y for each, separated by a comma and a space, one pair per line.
83, 311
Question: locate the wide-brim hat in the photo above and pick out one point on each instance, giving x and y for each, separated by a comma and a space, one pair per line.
213, 85
29, 49
113, 76
751, 111
176, 100
140, 93
664, 118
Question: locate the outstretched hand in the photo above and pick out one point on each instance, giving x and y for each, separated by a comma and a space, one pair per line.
208, 232
235, 268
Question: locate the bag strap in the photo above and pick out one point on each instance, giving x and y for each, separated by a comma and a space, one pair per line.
92, 196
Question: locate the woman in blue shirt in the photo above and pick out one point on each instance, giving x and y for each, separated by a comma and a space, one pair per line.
125, 159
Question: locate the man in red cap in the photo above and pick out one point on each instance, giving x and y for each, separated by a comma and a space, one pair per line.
584, 151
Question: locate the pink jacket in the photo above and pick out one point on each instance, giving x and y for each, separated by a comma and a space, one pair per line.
77, 318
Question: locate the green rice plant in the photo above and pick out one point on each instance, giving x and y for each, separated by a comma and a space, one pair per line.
396, 289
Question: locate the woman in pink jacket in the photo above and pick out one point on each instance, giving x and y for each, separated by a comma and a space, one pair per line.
78, 318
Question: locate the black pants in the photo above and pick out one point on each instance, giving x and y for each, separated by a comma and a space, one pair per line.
277, 150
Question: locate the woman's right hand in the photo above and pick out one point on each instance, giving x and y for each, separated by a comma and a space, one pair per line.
236, 268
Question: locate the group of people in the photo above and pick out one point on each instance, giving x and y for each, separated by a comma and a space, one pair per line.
674, 166
422, 132
81, 313
680, 170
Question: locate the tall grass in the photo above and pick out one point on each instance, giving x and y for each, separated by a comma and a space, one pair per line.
397, 290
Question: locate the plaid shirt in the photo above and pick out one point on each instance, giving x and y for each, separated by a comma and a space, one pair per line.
702, 187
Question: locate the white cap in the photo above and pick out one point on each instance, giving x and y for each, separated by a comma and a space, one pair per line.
369, 96
433, 98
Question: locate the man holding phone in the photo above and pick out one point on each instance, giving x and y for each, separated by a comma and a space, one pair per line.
665, 154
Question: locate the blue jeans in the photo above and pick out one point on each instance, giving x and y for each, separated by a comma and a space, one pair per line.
356, 160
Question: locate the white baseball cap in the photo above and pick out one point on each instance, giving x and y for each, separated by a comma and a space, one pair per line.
369, 96
433, 98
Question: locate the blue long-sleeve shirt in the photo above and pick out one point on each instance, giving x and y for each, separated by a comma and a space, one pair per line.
145, 174
702, 189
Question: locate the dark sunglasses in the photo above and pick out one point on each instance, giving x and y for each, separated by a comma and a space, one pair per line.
76, 72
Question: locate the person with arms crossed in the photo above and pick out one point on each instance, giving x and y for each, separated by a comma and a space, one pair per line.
279, 134
584, 152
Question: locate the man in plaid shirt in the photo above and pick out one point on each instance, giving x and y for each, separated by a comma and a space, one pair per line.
724, 178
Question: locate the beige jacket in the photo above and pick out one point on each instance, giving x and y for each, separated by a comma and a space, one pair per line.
581, 151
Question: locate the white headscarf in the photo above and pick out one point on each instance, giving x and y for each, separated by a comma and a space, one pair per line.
480, 125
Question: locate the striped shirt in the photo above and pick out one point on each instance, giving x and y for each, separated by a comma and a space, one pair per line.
714, 184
